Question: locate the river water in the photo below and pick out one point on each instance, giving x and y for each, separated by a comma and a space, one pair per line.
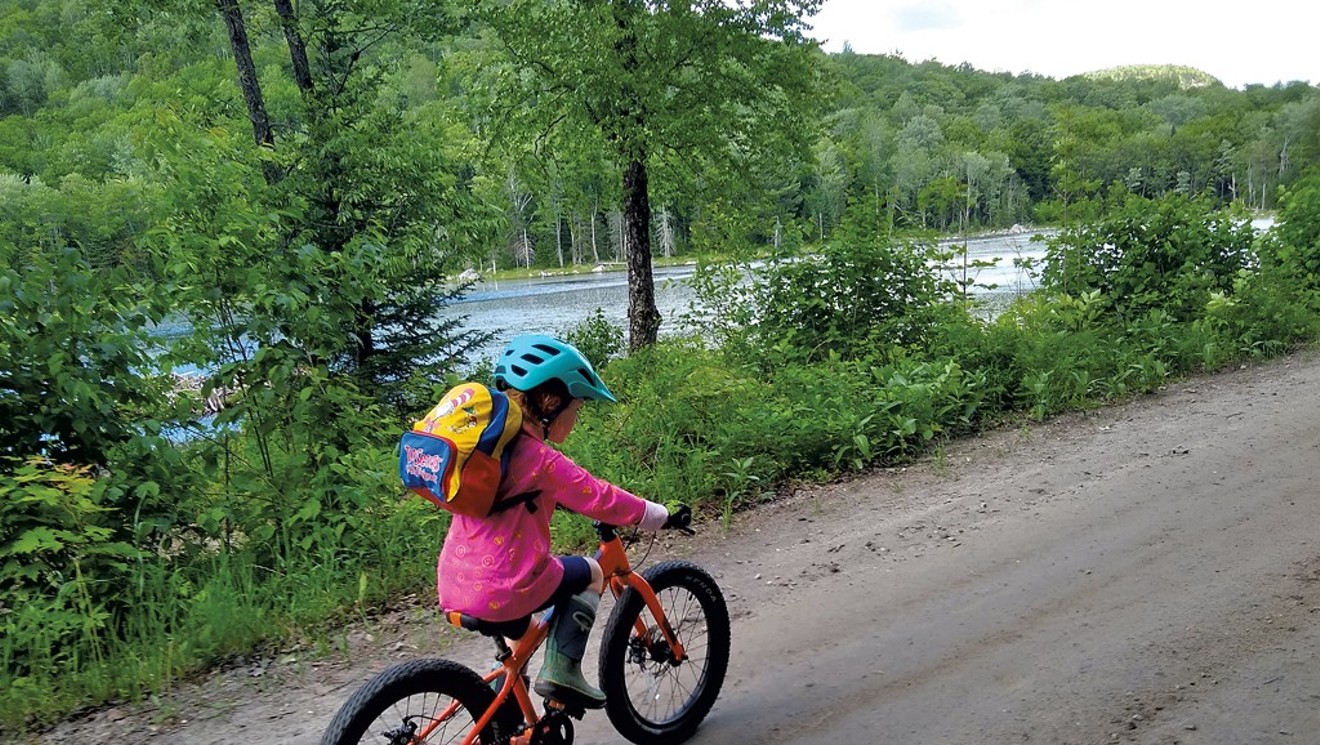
554, 304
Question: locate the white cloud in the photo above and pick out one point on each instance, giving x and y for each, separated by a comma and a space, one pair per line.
1266, 41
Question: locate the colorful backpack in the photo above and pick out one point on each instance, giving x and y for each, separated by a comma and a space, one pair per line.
456, 455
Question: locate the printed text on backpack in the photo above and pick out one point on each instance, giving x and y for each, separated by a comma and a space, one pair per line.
454, 456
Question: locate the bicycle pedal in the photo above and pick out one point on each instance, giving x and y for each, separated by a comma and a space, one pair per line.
567, 708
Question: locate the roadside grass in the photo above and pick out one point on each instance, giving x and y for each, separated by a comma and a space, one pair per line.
693, 425
854, 360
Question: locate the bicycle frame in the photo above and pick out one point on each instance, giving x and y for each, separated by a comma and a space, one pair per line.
619, 576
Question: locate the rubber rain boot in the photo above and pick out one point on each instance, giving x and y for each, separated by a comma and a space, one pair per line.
561, 675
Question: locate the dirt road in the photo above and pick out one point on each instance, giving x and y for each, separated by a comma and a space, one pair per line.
1147, 573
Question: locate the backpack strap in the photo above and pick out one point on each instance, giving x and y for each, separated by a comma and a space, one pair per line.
528, 498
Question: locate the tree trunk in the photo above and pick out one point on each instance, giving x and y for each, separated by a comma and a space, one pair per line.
643, 317
630, 109
618, 236
574, 230
595, 249
559, 239
302, 74
665, 226
366, 339
247, 72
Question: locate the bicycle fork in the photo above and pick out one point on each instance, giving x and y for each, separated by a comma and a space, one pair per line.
629, 579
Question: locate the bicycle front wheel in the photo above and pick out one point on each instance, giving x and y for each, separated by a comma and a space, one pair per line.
651, 698
420, 701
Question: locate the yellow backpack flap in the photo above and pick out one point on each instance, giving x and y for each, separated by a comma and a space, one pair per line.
455, 455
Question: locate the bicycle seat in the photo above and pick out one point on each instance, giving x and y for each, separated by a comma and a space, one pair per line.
511, 629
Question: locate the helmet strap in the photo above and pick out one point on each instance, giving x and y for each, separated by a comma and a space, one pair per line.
532, 406
548, 418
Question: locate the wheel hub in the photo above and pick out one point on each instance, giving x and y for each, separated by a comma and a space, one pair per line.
405, 734
651, 647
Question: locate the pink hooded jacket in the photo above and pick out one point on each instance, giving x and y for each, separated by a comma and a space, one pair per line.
500, 568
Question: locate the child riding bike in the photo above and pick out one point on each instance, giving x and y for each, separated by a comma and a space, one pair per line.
499, 568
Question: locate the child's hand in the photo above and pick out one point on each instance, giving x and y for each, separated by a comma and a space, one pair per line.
680, 517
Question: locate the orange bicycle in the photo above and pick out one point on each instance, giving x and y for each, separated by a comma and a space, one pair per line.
663, 655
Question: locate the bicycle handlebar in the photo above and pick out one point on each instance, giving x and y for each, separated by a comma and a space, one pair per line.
680, 519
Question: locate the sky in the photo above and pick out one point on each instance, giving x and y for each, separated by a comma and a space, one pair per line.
1240, 43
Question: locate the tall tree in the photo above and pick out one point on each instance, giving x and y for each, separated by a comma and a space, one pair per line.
248, 83
367, 180
672, 81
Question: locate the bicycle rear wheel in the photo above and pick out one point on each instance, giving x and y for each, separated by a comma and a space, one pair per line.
410, 703
650, 698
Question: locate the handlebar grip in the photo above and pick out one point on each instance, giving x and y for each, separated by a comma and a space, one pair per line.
680, 518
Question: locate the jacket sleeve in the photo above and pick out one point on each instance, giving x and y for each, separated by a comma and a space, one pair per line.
575, 488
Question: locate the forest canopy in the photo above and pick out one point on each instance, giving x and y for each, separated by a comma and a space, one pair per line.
95, 95
226, 229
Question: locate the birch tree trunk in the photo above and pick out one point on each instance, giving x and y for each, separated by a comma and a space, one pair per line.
559, 239
574, 239
595, 248
618, 237
525, 245
666, 229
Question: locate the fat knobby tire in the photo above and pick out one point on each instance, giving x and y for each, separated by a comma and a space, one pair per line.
615, 659
437, 677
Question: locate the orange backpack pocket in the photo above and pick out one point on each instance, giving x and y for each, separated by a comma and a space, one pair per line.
455, 456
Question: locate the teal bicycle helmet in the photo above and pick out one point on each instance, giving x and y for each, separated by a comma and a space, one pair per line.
533, 359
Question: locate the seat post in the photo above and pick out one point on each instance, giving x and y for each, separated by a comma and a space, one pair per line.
502, 651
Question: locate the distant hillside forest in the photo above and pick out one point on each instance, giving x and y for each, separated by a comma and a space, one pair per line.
227, 228
111, 113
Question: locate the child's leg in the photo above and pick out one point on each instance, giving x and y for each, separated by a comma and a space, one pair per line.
561, 675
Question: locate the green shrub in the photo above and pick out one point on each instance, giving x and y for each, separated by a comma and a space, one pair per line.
61, 564
851, 299
78, 360
1169, 254
1294, 244
597, 338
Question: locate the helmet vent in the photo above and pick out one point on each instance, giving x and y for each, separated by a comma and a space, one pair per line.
533, 359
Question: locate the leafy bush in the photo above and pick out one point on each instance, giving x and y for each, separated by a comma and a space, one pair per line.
1294, 244
1170, 254
696, 425
1267, 313
596, 338
61, 562
854, 300
78, 360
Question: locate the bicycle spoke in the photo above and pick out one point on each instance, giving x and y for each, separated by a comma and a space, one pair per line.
421, 702
653, 697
